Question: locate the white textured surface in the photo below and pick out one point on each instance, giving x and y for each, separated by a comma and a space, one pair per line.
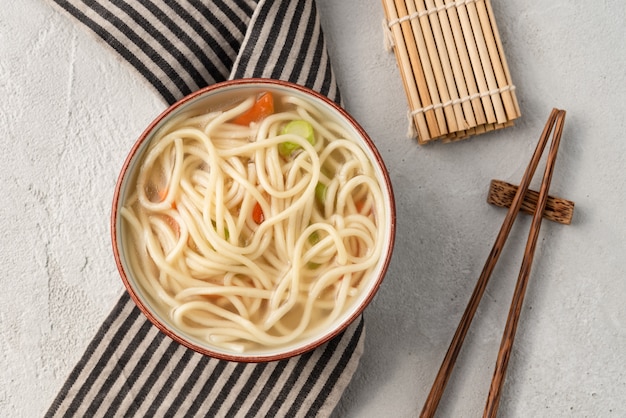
70, 110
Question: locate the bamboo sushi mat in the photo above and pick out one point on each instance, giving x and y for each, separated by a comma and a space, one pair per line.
453, 67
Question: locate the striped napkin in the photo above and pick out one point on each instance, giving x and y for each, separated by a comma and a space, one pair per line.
130, 368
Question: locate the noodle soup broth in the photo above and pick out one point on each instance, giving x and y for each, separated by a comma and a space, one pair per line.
253, 221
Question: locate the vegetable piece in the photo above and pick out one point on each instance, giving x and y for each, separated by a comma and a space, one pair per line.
360, 207
257, 214
296, 127
162, 195
226, 232
263, 107
314, 238
320, 193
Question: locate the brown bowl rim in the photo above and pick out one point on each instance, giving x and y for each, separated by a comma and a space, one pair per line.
261, 357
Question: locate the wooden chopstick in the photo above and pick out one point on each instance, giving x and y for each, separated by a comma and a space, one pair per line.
508, 336
445, 370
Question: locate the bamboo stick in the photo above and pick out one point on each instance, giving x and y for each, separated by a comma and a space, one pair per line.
428, 95
496, 34
466, 63
446, 65
468, 35
407, 74
461, 84
429, 71
485, 61
496, 62
433, 56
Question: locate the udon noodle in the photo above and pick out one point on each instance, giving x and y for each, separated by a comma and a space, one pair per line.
243, 246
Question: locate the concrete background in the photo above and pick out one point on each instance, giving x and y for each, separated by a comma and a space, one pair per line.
70, 110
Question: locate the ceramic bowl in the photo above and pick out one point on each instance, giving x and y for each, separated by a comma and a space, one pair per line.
214, 96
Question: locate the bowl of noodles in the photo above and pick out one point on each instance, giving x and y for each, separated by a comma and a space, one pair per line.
253, 220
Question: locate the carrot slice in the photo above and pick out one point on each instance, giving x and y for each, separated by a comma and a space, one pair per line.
263, 107
257, 214
162, 194
361, 208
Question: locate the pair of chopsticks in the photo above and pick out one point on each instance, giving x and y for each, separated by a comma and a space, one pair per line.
555, 123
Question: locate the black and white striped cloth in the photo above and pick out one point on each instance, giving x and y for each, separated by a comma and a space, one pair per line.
130, 368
